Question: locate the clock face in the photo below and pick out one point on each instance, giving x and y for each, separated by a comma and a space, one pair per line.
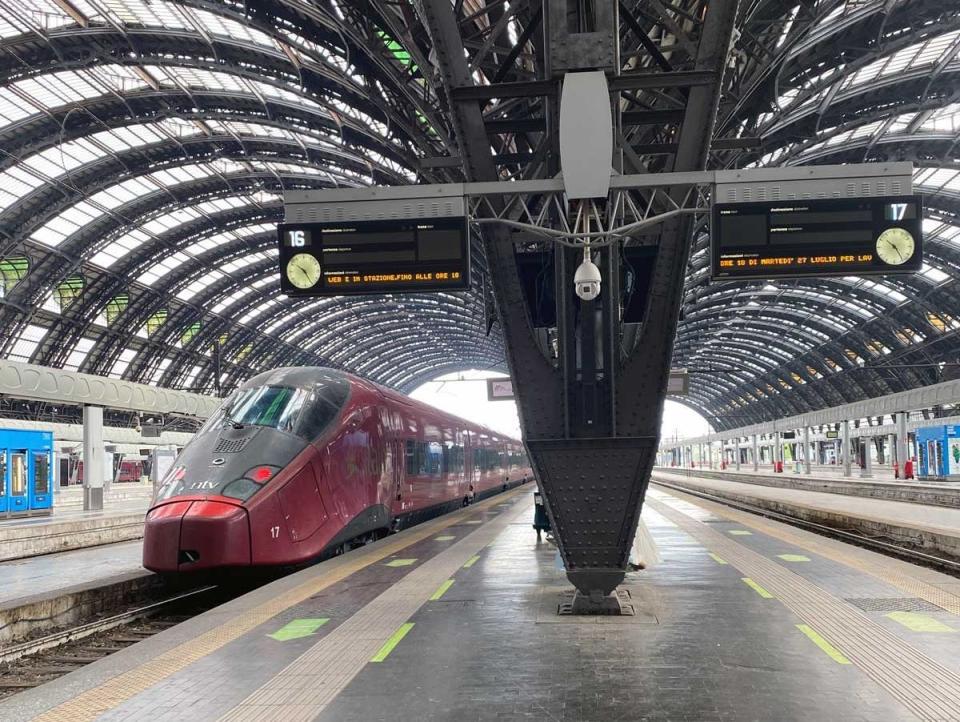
895, 246
303, 270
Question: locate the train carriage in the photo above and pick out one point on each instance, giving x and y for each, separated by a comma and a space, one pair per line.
300, 463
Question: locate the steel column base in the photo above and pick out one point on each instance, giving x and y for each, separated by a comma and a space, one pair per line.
617, 604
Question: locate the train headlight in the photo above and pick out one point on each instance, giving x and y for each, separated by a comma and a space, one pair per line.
261, 474
241, 489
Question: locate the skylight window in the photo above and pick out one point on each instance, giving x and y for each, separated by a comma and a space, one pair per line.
121, 364
27, 342
79, 354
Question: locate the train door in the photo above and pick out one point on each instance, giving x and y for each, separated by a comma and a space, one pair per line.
40, 491
395, 454
18, 500
4, 481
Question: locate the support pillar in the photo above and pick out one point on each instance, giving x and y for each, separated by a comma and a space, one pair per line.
806, 450
845, 448
902, 440
736, 452
93, 452
756, 455
867, 471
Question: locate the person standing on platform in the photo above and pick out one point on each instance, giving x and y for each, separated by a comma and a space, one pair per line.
643, 553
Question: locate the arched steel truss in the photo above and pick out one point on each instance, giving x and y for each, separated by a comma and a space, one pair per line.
160, 181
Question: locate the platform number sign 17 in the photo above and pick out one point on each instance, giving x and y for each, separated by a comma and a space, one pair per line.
297, 238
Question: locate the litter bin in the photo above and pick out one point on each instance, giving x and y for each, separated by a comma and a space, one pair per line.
541, 522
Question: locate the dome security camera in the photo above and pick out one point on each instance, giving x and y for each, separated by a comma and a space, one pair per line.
586, 280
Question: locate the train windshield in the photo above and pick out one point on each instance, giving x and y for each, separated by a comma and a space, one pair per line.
304, 411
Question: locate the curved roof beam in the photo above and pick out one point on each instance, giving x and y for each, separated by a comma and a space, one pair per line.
367, 50
205, 157
72, 50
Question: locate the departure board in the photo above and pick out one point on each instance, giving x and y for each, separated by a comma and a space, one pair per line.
366, 257
827, 237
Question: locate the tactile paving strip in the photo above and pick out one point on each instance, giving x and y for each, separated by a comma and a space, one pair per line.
926, 688
893, 571
302, 690
893, 604
92, 703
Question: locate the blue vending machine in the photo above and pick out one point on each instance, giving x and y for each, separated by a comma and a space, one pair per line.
26, 472
938, 451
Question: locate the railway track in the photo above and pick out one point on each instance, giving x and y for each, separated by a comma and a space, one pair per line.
36, 661
911, 554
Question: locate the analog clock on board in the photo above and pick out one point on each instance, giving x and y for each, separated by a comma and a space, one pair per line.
303, 270
895, 246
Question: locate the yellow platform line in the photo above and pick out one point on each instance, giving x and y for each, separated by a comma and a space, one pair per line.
471, 561
441, 590
717, 559
94, 702
392, 642
891, 571
919, 622
757, 588
835, 654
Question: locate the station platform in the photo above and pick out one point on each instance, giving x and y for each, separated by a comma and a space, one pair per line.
42, 575
70, 527
932, 528
48, 592
743, 619
935, 493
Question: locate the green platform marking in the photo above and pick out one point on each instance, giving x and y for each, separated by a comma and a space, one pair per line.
471, 561
757, 588
298, 628
835, 654
919, 622
392, 642
445, 537
793, 557
718, 560
441, 590
400, 562
741, 532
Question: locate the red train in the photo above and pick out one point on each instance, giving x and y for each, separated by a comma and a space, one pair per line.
302, 463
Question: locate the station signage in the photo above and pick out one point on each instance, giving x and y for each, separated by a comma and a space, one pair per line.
821, 237
368, 257
500, 389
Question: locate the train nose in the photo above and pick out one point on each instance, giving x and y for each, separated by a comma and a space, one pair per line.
189, 535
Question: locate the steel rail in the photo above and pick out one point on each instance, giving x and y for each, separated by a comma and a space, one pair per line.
80, 631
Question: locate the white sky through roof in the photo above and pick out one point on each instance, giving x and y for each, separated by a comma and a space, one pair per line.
465, 394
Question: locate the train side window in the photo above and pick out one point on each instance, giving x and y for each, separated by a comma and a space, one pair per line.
411, 453
433, 455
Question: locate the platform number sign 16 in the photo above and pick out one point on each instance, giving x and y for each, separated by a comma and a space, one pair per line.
297, 238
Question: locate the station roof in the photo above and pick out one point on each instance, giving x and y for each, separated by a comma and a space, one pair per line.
144, 146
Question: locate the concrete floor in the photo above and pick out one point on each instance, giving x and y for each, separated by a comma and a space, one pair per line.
455, 620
